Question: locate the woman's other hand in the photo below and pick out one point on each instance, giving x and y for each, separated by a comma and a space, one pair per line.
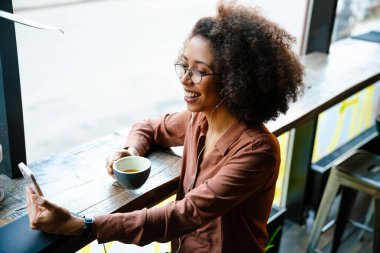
130, 151
49, 217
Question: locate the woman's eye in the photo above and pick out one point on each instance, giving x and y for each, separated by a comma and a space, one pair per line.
201, 72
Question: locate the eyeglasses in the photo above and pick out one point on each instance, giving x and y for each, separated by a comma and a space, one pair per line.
194, 73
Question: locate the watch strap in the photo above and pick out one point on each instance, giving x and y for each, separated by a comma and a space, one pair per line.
88, 222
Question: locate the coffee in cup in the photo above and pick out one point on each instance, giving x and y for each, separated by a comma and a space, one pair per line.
132, 171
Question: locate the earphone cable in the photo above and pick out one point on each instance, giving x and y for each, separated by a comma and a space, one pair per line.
191, 142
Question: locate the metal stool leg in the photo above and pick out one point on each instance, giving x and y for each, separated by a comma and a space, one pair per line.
368, 218
323, 210
345, 207
376, 231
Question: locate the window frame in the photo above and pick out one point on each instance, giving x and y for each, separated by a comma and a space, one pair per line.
12, 137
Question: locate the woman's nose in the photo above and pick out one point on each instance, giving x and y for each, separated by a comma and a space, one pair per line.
186, 80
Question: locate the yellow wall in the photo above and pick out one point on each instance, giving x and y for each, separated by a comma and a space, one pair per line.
284, 142
346, 120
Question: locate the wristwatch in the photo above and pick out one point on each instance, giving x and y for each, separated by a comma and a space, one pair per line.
88, 223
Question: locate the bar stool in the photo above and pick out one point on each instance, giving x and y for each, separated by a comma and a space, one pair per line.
359, 172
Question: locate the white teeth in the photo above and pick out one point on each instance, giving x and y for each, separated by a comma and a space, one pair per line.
191, 94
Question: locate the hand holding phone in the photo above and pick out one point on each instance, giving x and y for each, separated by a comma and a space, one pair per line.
30, 179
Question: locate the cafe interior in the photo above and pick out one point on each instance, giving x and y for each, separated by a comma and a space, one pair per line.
76, 74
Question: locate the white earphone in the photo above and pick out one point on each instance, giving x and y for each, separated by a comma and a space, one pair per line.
217, 106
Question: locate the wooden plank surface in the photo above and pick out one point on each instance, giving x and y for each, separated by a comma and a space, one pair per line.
77, 179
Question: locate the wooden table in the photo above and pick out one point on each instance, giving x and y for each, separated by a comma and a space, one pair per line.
77, 179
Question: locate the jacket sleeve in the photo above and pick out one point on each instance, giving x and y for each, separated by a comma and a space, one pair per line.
167, 131
246, 174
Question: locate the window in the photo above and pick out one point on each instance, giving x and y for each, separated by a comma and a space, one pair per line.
279, 11
343, 122
112, 67
355, 17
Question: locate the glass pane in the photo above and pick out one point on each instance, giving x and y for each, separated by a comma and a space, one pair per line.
112, 67
281, 184
278, 11
346, 120
355, 17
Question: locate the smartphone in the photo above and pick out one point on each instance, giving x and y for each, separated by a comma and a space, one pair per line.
30, 179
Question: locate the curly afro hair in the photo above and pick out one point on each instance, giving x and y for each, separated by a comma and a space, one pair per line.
259, 72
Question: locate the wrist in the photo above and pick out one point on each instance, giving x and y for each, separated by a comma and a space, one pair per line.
74, 226
133, 151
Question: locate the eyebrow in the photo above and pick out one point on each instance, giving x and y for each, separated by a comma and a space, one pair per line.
201, 62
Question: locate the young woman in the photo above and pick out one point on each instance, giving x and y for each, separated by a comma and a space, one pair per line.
238, 71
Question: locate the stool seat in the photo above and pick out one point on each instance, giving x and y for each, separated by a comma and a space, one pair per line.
364, 165
360, 171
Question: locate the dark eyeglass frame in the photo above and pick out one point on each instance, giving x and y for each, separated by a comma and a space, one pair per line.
192, 71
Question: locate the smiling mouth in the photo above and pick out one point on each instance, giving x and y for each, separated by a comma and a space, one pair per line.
191, 94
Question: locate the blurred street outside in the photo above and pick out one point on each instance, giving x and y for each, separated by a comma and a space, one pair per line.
112, 67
